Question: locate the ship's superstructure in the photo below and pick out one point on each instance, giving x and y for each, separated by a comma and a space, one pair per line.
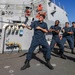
13, 36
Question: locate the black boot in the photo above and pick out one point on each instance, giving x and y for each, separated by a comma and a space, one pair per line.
72, 51
26, 65
62, 55
49, 65
59, 53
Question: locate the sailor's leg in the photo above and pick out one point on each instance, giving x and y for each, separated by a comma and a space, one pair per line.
71, 44
48, 53
34, 44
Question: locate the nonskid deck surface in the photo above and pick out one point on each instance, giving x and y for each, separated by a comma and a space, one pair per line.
10, 64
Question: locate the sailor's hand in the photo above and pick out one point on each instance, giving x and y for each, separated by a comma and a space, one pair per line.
63, 30
52, 30
38, 27
24, 25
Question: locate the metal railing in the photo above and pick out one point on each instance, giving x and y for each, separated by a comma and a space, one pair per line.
19, 9
11, 9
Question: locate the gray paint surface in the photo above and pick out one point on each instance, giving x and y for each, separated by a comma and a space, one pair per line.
10, 64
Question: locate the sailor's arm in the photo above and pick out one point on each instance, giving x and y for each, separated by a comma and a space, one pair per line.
42, 29
70, 33
53, 30
26, 26
50, 30
56, 31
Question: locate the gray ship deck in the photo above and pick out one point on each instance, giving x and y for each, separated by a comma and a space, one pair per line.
10, 64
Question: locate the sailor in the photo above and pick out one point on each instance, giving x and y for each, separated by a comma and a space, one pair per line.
73, 29
40, 28
55, 29
67, 36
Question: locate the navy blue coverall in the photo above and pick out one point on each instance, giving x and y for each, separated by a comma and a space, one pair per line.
73, 29
73, 36
38, 39
56, 39
68, 37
